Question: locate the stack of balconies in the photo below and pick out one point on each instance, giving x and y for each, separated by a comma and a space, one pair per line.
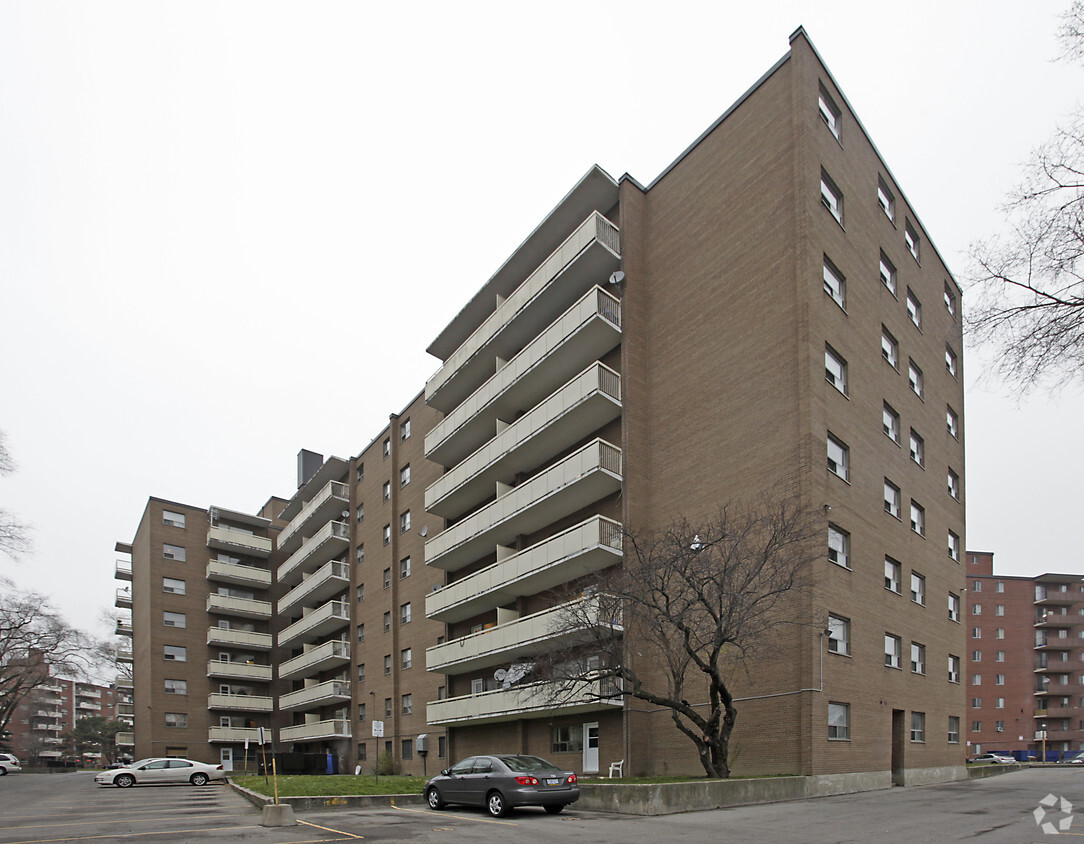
1057, 656
525, 395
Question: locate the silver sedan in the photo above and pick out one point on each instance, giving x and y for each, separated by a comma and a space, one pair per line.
156, 770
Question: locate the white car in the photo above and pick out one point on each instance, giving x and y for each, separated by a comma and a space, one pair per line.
153, 770
8, 764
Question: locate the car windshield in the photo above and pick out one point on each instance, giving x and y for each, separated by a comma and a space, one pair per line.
525, 764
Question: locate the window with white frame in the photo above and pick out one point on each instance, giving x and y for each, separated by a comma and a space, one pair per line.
835, 284
839, 721
404, 613
950, 361
918, 588
838, 458
361, 513
953, 484
976, 727
404, 521
892, 651
408, 708
888, 273
976, 656
831, 196
174, 653
387, 578
360, 474
953, 729
914, 308
911, 239
918, 658
890, 423
406, 658
173, 552
361, 672
404, 568
918, 726
828, 111
976, 609
174, 619
387, 621
176, 687
953, 546
953, 607
999, 679
893, 500
885, 199
839, 546
952, 421
950, 300
386, 490
999, 609
361, 633
953, 669
914, 378
176, 720
999, 703
387, 534
839, 635
835, 369
387, 448
892, 575
387, 664
404, 475
173, 586
890, 349
387, 714
172, 519
918, 518
404, 430
917, 448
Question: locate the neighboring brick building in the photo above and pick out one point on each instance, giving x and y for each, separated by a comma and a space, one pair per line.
767, 316
1025, 666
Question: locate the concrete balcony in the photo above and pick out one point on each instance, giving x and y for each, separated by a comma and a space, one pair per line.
321, 694
54, 690
123, 570
517, 640
240, 703
239, 638
56, 754
124, 655
232, 735
94, 693
123, 599
238, 670
322, 547
582, 335
125, 710
317, 624
590, 546
226, 539
571, 484
568, 416
87, 706
317, 659
123, 628
327, 504
318, 730
327, 581
536, 700
53, 740
242, 607
125, 739
124, 683
586, 258
238, 575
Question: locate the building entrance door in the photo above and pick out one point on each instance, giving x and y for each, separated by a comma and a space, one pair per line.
227, 758
590, 748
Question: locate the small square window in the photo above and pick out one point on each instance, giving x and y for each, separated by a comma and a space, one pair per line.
885, 199
828, 111
173, 552
831, 196
172, 519
918, 448
835, 369
835, 285
914, 308
893, 500
838, 458
839, 546
890, 423
911, 239
890, 349
888, 273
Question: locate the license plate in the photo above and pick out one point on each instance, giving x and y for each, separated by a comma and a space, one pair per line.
553, 782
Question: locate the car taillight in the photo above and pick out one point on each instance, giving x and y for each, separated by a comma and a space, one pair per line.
572, 779
526, 781
219, 768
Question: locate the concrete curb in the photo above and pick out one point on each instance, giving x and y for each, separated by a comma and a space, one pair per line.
306, 804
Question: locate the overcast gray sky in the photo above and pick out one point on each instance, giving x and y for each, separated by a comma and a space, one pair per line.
217, 218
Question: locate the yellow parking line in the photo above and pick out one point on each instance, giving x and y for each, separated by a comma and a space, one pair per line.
329, 829
457, 817
132, 834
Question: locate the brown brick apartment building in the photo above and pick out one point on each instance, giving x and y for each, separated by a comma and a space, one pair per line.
1025, 664
768, 315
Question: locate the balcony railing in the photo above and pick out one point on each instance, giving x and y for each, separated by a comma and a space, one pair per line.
326, 544
587, 256
125, 739
515, 640
238, 638
124, 683
330, 579
565, 417
123, 570
240, 703
331, 691
584, 333
315, 660
123, 628
123, 599
243, 607
337, 728
237, 574
537, 700
238, 670
328, 502
124, 655
227, 539
571, 484
233, 735
321, 621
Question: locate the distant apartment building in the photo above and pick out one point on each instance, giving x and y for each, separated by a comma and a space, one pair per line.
768, 316
1025, 665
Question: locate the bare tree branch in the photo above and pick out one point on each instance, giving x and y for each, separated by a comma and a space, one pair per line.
14, 534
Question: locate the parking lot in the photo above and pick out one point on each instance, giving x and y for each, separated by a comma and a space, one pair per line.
49, 809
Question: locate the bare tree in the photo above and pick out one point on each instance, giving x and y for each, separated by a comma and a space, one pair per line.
684, 614
1027, 284
14, 534
35, 644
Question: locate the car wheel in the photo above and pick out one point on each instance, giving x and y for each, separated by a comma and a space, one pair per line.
198, 779
433, 798
556, 808
124, 781
3, 771
496, 805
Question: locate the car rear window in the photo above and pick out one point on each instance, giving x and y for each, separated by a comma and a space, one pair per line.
525, 764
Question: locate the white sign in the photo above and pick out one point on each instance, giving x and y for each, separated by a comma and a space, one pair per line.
378, 729
259, 736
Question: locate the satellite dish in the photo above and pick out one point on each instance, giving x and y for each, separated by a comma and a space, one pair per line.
425, 530
617, 277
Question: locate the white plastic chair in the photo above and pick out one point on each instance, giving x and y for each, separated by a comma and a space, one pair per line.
619, 767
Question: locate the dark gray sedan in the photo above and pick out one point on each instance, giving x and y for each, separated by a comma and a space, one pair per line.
502, 783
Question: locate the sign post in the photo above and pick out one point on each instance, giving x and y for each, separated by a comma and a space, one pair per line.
378, 732
260, 740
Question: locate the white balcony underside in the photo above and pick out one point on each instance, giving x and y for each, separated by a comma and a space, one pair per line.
241, 607
585, 476
239, 638
590, 546
337, 728
321, 694
238, 670
240, 703
586, 258
515, 703
327, 504
584, 333
327, 581
238, 575
232, 735
321, 621
322, 547
224, 539
580, 407
321, 658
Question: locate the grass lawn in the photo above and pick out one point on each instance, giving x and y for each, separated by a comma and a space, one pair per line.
331, 786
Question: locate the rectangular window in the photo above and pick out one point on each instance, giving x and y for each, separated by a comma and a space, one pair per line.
918, 448
950, 300
953, 546
387, 448
387, 622
387, 714
360, 476
176, 720
838, 458
839, 718
953, 729
953, 669
999, 703
976, 609
890, 423
387, 534
361, 592
835, 284
361, 554
911, 239
950, 361
387, 664
999, 633
442, 746
404, 430
918, 726
176, 587
566, 739
918, 588
404, 522
361, 633
404, 475
999, 679
831, 196
404, 613
361, 672
387, 578
953, 484
828, 111
953, 607
892, 651
893, 500
918, 518
361, 717
888, 274
361, 513
914, 378
890, 349
386, 490
952, 422
171, 518
976, 726
173, 552
976, 656
407, 745
999, 609
839, 546
174, 619
835, 369
892, 575
408, 707
839, 635
885, 199
914, 308
406, 658
404, 568
175, 653
918, 658
176, 687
